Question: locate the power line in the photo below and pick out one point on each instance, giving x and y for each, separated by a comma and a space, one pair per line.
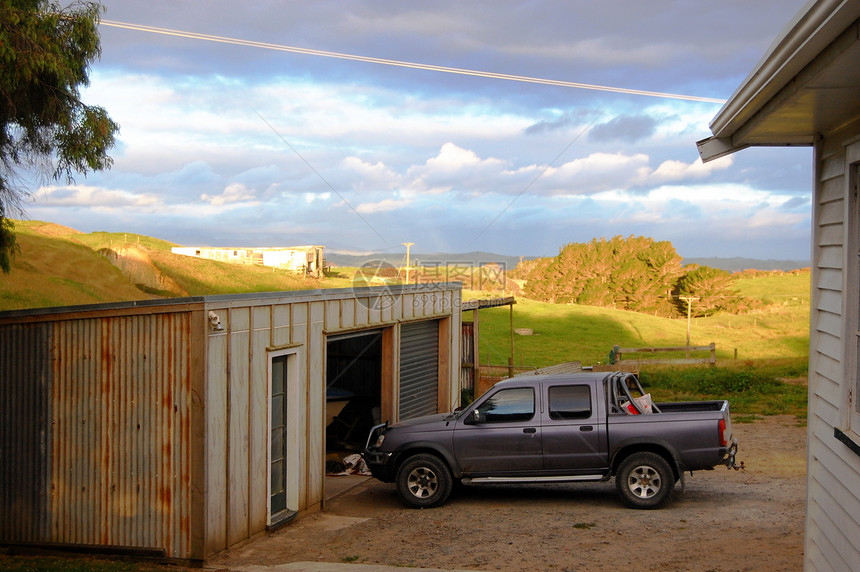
324, 180
403, 64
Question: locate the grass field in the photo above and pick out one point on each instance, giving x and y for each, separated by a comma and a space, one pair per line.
754, 388
588, 333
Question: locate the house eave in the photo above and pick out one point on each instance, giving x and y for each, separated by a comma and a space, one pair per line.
806, 36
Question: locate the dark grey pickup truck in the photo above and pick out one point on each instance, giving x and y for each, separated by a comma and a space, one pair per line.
555, 428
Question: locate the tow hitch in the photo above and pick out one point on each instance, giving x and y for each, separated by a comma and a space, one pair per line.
730, 457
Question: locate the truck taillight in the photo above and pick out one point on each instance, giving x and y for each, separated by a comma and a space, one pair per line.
724, 439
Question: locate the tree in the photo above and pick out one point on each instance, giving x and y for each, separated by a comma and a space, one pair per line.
712, 288
634, 273
45, 54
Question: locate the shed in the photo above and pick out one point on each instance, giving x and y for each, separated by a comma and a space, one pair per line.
806, 91
183, 427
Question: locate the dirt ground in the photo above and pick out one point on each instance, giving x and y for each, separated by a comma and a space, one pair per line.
724, 521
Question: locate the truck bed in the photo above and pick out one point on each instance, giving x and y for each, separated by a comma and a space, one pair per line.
690, 406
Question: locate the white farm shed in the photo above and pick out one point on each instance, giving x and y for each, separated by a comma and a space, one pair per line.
183, 427
806, 91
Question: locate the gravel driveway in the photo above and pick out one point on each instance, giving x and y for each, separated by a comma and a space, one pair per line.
725, 520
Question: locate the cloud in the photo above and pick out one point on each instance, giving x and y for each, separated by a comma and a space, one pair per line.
624, 128
563, 122
673, 170
385, 205
370, 175
596, 172
452, 168
84, 196
234, 194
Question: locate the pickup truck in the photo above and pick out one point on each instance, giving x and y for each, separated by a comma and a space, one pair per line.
555, 428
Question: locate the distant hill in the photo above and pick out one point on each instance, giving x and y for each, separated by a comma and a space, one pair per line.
735, 264
436, 258
738, 264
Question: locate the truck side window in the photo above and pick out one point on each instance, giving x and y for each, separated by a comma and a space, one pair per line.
509, 405
569, 402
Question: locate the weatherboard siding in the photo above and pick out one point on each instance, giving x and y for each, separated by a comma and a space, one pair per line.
833, 500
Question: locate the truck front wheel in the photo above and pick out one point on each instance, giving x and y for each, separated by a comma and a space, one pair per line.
424, 481
644, 480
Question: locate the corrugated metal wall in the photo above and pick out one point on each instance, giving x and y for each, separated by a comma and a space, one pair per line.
98, 413
25, 381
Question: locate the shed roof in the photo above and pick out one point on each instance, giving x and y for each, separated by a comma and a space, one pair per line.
806, 85
244, 299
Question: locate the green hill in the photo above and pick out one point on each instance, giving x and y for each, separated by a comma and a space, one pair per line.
53, 270
587, 333
59, 266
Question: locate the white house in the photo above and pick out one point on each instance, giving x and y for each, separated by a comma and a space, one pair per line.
806, 91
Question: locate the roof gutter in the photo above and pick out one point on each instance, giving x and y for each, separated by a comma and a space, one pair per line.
808, 34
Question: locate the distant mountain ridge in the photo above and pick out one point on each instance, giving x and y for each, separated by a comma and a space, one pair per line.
478, 258
474, 259
738, 264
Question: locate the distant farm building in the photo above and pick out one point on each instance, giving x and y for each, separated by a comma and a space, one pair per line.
302, 259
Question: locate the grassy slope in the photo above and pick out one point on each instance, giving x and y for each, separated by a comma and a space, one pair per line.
60, 266
50, 270
587, 334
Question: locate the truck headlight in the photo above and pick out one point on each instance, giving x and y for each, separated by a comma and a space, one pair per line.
379, 440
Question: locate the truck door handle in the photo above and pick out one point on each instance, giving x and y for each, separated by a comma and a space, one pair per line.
529, 430
586, 428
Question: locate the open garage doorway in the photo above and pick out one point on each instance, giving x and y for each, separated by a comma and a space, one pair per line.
353, 390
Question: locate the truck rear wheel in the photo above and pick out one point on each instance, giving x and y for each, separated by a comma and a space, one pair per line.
644, 480
424, 481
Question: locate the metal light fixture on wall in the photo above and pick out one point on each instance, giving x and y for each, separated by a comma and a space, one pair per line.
215, 322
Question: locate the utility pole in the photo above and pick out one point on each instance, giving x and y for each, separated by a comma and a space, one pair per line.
689, 300
407, 245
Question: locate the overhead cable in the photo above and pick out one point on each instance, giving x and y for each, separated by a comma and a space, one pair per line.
403, 64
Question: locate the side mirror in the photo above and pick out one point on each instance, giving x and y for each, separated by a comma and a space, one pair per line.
473, 418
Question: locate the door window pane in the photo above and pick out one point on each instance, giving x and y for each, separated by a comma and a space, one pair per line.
509, 405
570, 402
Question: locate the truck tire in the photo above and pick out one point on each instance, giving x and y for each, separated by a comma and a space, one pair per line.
644, 480
424, 481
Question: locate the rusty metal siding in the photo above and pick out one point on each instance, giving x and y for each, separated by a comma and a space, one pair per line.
24, 431
121, 459
112, 463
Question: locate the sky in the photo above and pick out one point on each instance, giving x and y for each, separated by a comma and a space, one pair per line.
260, 139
